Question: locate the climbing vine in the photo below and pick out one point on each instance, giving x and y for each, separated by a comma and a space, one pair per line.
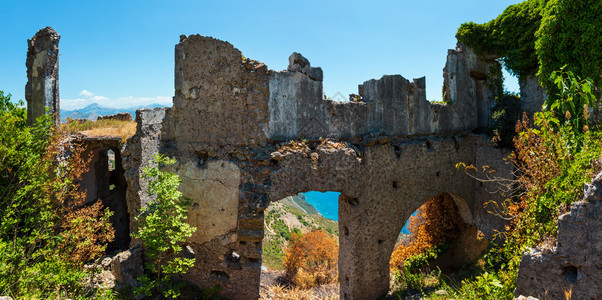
511, 36
540, 36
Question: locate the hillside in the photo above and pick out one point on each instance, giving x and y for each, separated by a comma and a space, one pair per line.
94, 110
282, 218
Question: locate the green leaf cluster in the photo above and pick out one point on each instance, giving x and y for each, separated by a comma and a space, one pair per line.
537, 37
163, 229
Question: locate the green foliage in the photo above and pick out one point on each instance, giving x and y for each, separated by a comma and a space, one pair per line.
540, 36
572, 102
570, 34
418, 261
506, 112
281, 229
38, 198
554, 160
163, 230
511, 36
412, 276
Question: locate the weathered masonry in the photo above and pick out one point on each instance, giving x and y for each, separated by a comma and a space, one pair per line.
230, 129
42, 89
229, 126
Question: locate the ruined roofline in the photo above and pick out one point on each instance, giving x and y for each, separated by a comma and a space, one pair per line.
215, 81
391, 104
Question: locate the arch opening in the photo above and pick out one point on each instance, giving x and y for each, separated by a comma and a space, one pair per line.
300, 246
439, 242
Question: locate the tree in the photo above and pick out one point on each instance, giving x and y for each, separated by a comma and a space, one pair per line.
163, 229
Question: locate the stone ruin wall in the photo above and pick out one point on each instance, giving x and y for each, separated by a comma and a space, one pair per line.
391, 105
396, 151
226, 127
573, 263
42, 88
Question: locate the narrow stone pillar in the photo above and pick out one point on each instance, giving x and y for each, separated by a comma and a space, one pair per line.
42, 89
532, 94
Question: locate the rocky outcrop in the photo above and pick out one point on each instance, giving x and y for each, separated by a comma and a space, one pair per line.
42, 88
117, 117
574, 264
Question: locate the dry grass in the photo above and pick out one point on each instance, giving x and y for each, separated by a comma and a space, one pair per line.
278, 292
112, 128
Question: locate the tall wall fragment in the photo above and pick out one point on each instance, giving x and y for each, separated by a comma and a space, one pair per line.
532, 94
42, 89
574, 263
136, 155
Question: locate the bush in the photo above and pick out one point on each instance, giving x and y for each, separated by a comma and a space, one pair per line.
311, 259
553, 159
47, 231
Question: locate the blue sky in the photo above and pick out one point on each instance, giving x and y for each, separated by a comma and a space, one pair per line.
121, 53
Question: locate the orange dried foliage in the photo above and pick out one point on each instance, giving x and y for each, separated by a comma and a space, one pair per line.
84, 229
436, 222
311, 259
534, 157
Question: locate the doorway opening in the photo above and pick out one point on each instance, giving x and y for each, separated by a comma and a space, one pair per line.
300, 247
105, 182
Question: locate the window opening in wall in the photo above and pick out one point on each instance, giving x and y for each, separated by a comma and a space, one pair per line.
111, 159
433, 247
300, 246
111, 166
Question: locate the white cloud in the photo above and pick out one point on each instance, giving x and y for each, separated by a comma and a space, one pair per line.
86, 94
86, 98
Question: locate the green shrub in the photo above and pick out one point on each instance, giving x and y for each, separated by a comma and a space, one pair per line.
44, 226
163, 229
540, 36
554, 160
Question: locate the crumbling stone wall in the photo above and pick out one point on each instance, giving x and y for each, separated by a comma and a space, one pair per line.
574, 262
117, 117
137, 154
394, 151
391, 105
42, 88
226, 127
532, 94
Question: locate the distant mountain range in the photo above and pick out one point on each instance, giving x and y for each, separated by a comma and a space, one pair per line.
94, 110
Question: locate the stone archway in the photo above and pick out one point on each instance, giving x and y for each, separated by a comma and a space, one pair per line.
388, 152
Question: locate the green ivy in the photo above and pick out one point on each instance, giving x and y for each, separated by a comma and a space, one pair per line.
540, 36
511, 36
570, 34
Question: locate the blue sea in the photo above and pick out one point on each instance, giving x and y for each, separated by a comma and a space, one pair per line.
328, 205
